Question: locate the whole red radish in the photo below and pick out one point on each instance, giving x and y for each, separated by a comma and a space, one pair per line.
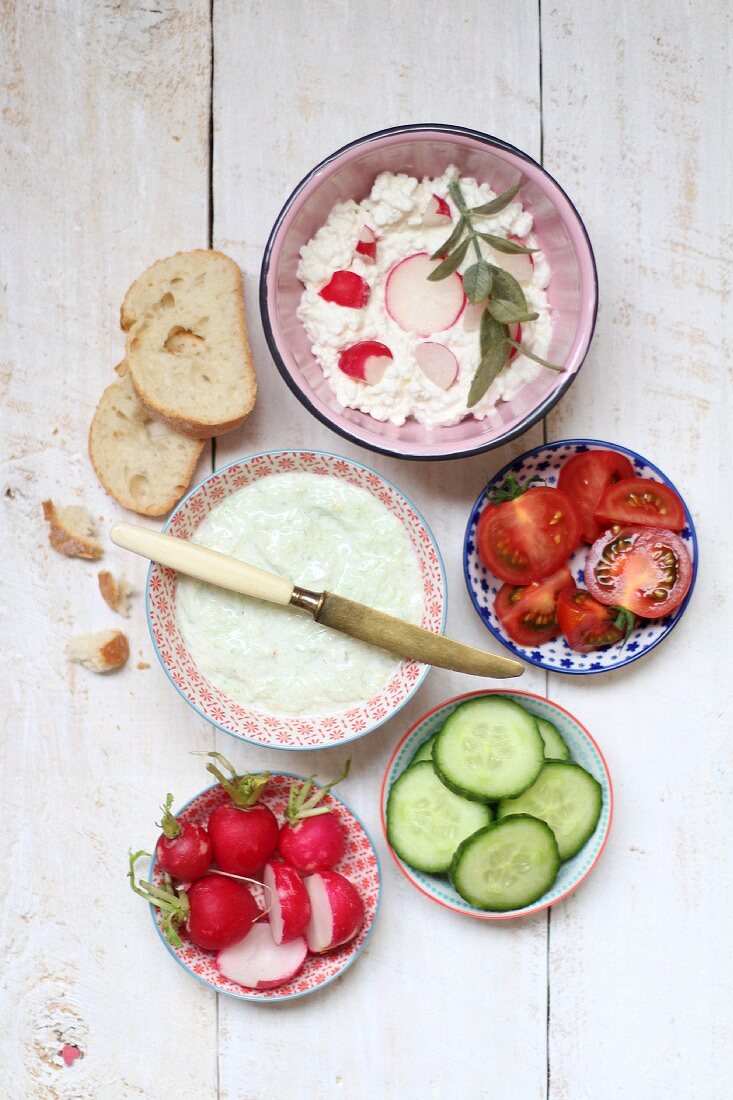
311, 838
243, 833
215, 911
337, 911
287, 901
346, 288
184, 850
260, 963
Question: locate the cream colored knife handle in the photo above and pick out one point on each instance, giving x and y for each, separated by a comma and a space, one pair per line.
202, 563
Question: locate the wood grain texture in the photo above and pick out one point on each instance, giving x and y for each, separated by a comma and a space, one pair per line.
104, 161
636, 98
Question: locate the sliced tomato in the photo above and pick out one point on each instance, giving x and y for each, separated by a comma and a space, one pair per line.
528, 613
585, 478
590, 625
643, 503
646, 570
527, 538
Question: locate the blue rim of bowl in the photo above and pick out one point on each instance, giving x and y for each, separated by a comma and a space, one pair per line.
490, 916
518, 651
426, 669
290, 996
538, 413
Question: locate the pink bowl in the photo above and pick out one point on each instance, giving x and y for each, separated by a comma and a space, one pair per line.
427, 150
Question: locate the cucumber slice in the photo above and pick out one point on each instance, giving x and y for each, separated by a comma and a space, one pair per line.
506, 865
425, 752
426, 822
490, 748
567, 798
555, 747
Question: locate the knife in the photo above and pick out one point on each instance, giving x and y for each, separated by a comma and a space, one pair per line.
377, 628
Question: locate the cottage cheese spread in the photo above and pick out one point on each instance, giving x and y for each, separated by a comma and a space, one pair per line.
394, 210
325, 534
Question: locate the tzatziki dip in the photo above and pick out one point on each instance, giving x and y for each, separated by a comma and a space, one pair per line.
323, 533
385, 343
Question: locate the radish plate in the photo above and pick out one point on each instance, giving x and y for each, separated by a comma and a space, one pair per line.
438, 364
366, 361
416, 304
367, 244
437, 212
257, 962
346, 288
518, 264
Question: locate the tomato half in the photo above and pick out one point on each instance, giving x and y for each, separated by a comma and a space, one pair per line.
585, 478
587, 624
646, 570
528, 538
643, 503
528, 613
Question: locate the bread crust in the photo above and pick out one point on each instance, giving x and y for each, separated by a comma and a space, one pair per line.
66, 541
103, 652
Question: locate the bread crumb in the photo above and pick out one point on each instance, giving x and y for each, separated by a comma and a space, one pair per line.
116, 592
143, 664
104, 651
72, 531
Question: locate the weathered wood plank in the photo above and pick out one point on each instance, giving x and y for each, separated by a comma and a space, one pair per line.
290, 88
636, 102
104, 162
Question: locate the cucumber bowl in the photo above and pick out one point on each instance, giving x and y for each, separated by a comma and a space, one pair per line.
496, 804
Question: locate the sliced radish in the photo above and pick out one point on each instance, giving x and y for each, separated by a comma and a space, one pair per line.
518, 264
287, 900
337, 911
257, 962
515, 331
437, 212
367, 361
472, 316
418, 305
346, 288
367, 243
438, 363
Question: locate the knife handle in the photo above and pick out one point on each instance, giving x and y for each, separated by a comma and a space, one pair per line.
202, 563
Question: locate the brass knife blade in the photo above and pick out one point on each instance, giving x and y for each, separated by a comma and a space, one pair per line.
407, 640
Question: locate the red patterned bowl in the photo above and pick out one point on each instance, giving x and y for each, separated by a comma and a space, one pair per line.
257, 726
360, 865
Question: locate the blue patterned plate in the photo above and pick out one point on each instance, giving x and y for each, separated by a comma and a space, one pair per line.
556, 655
583, 750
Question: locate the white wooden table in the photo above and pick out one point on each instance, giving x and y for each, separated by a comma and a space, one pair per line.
129, 131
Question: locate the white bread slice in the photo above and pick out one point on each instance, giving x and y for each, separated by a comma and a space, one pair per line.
115, 592
143, 464
101, 652
187, 345
72, 531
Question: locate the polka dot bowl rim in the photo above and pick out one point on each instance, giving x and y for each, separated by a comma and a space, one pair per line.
556, 655
583, 750
258, 727
332, 964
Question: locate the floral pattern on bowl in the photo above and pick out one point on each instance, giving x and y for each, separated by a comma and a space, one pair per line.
556, 655
583, 750
360, 865
260, 727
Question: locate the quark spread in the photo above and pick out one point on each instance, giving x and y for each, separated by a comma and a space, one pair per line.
394, 213
323, 533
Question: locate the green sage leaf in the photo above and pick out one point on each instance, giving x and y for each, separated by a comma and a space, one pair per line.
493, 360
504, 285
507, 313
501, 244
531, 355
499, 203
477, 281
451, 264
490, 333
452, 241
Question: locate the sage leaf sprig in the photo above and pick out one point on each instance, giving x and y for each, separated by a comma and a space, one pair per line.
483, 281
